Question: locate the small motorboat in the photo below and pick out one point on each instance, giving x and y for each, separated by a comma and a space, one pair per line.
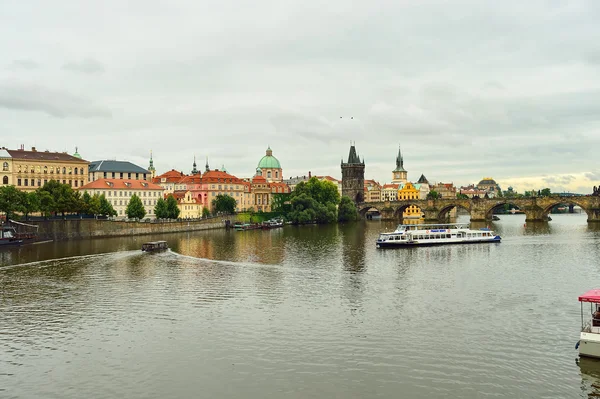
9, 236
155, 246
589, 339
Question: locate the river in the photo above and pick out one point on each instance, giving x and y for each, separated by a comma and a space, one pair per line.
300, 312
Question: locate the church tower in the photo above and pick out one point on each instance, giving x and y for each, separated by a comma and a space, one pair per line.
194, 167
151, 167
353, 176
399, 175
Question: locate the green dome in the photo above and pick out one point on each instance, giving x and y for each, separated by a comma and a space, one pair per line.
269, 161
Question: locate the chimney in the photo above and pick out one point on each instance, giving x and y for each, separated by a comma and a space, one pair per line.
33, 149
309, 175
22, 147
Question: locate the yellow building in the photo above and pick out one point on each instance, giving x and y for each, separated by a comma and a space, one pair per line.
372, 191
189, 206
28, 170
409, 192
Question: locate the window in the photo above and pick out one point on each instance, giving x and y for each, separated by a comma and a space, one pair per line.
276, 174
39, 182
5, 167
104, 175
5, 180
76, 170
76, 182
26, 182
18, 182
64, 170
80, 171
113, 174
137, 176
45, 169
269, 174
129, 175
121, 175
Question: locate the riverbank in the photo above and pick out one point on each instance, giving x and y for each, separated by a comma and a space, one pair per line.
61, 230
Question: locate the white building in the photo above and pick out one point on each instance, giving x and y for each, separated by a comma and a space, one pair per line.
118, 192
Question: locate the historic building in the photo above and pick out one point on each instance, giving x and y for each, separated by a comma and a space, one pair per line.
353, 176
189, 206
119, 191
216, 182
399, 175
270, 167
372, 191
408, 191
488, 184
108, 169
169, 181
444, 190
389, 192
28, 170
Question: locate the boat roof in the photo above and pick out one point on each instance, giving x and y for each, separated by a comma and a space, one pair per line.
591, 296
435, 224
155, 242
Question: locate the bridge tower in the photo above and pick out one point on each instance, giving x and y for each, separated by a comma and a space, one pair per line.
353, 176
399, 175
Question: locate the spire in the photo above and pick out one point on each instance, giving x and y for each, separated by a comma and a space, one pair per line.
194, 169
207, 168
76, 155
399, 161
269, 151
151, 167
352, 156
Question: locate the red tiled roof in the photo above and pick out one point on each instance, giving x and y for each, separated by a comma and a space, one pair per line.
332, 179
172, 176
193, 179
119, 184
392, 185
259, 179
217, 176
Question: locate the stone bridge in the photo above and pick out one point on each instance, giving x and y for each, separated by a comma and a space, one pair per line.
481, 209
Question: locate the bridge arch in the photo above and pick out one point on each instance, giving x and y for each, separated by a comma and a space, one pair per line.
512, 205
547, 207
444, 212
404, 206
365, 208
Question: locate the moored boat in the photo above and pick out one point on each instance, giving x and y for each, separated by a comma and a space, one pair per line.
435, 234
155, 246
589, 338
8, 236
272, 224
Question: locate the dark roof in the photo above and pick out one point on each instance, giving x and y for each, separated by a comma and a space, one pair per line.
353, 157
488, 181
116, 166
423, 180
44, 156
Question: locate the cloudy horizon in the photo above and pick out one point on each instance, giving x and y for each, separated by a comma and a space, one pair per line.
468, 89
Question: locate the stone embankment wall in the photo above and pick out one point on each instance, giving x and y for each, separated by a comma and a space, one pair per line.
60, 230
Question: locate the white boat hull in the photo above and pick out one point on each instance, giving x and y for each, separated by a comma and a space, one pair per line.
589, 345
424, 243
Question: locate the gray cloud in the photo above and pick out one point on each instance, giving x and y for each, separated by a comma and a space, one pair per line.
593, 176
87, 65
30, 97
468, 89
24, 64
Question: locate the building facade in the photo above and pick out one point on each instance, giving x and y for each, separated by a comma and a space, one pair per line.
108, 169
372, 191
270, 167
488, 184
29, 170
189, 206
408, 191
353, 177
119, 192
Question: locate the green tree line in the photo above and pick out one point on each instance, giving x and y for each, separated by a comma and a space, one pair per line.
53, 198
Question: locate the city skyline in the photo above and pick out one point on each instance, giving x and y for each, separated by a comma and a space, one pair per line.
469, 90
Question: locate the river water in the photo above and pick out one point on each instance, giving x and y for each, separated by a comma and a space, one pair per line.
300, 312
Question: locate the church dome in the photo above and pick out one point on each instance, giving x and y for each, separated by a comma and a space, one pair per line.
76, 155
269, 161
488, 181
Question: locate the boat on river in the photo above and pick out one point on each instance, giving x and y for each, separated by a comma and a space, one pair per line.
407, 235
155, 246
589, 338
272, 224
8, 236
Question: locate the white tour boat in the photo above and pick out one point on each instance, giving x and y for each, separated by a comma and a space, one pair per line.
407, 235
589, 339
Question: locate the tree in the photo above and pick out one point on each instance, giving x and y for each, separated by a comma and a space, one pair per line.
135, 208
9, 200
94, 205
433, 195
322, 191
224, 204
64, 199
462, 196
347, 210
86, 198
28, 203
172, 208
160, 209
546, 192
280, 203
46, 203
205, 212
106, 208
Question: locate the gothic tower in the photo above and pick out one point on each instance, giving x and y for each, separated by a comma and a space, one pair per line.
399, 175
353, 177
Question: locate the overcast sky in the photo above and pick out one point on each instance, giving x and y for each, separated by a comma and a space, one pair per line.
468, 88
